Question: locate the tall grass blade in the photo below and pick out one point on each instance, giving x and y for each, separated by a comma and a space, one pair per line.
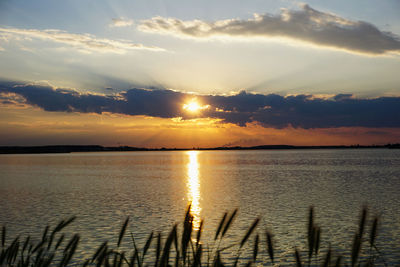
147, 245
133, 258
59, 226
355, 249
373, 232
270, 247
60, 240
362, 222
99, 251
167, 247
187, 213
71, 242
16, 249
187, 233
49, 260
51, 238
177, 255
255, 249
158, 249
310, 232
122, 232
26, 244
218, 261
63, 224
198, 236
298, 259
311, 242
70, 250
136, 250
176, 238
251, 229
236, 261
3, 255
75, 244
39, 258
115, 261
38, 246
310, 221
327, 258
229, 222
121, 259
44, 236
221, 223
12, 250
107, 260
317, 240
197, 257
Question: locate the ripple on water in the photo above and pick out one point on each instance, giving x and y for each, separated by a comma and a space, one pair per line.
101, 189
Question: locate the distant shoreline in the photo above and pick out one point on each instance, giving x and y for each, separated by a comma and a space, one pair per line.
98, 148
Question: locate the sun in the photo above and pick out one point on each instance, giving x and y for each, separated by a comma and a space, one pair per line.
192, 106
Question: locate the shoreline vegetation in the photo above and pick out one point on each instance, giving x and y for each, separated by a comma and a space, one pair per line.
183, 247
98, 148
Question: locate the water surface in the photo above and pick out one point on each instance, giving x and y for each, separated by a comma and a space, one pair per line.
154, 188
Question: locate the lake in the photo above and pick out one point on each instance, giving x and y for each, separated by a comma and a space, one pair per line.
154, 189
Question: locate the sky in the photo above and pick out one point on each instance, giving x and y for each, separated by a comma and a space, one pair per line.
158, 73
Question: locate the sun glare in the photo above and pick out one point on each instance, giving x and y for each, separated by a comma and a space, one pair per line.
192, 106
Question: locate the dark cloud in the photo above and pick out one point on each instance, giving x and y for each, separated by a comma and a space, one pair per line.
156, 103
307, 24
65, 100
303, 111
339, 97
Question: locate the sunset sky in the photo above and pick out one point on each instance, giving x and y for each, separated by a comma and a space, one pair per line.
174, 73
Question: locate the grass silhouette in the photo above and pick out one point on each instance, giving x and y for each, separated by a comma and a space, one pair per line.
183, 247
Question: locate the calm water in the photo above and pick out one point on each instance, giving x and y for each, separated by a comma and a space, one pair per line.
153, 188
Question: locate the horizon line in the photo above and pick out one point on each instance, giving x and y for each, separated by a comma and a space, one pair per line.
46, 149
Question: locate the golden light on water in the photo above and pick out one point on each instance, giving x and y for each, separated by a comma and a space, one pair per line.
193, 185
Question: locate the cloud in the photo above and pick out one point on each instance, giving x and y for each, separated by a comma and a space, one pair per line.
11, 99
306, 25
83, 42
121, 22
274, 111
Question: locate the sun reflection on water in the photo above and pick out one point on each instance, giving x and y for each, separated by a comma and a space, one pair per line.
193, 184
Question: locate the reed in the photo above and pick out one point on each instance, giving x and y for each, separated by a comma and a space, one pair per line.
122, 232
270, 247
182, 247
216, 233
229, 222
327, 258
